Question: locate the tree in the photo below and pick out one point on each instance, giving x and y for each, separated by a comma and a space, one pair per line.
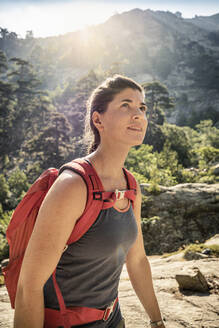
7, 105
4, 190
158, 100
3, 62
72, 102
12, 36
18, 185
179, 142
4, 33
27, 95
52, 146
155, 136
26, 80
207, 134
29, 34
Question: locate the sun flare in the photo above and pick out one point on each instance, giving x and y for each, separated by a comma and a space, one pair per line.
57, 18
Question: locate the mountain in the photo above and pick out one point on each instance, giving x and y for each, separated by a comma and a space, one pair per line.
143, 44
209, 23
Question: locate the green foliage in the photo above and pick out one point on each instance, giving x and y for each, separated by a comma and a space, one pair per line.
158, 101
4, 221
157, 168
154, 188
178, 141
207, 134
207, 155
18, 185
155, 136
151, 220
139, 177
4, 189
52, 146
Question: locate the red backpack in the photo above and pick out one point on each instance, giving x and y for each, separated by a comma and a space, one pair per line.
23, 219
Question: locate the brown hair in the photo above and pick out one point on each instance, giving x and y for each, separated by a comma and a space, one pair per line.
99, 100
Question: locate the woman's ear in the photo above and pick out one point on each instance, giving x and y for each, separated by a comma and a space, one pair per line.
97, 121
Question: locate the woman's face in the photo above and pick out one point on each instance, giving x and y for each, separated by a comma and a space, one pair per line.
125, 119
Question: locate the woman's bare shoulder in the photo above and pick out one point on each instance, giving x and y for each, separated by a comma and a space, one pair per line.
69, 184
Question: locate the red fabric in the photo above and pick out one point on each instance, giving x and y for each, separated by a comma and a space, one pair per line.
75, 316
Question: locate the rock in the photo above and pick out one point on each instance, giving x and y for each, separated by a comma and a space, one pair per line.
206, 251
179, 215
195, 281
194, 256
213, 240
4, 262
215, 169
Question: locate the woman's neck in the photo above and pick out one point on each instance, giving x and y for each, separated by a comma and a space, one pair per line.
109, 162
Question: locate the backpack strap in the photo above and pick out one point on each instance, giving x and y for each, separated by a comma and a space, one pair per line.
93, 207
94, 197
132, 186
97, 198
95, 203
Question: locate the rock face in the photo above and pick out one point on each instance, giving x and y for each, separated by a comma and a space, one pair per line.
179, 215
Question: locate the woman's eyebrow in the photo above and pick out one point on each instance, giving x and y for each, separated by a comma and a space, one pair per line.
130, 101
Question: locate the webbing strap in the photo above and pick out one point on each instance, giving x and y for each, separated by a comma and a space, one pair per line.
61, 301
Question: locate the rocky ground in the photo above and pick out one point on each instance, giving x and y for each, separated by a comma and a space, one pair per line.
180, 309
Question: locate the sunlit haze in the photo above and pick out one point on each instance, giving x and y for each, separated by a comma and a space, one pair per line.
48, 18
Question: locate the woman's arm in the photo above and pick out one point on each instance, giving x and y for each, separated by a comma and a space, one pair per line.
62, 206
139, 269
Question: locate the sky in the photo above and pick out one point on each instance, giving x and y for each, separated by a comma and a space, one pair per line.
56, 17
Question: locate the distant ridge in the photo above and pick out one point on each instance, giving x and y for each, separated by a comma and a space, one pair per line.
146, 45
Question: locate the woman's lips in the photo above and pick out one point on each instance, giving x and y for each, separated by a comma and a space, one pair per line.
135, 128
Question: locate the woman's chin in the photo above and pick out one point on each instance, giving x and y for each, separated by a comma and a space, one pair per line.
137, 143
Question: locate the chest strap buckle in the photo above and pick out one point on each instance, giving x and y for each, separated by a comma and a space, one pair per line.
120, 194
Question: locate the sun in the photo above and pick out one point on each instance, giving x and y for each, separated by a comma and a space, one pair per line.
49, 19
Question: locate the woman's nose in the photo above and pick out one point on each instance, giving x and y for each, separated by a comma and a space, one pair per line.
138, 114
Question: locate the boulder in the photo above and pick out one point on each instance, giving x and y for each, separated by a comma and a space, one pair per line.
179, 215
194, 256
194, 281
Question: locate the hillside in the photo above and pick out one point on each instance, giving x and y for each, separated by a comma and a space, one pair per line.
143, 44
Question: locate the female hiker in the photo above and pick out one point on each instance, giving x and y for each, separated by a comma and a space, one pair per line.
88, 270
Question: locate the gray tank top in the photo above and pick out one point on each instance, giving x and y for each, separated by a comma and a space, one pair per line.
89, 270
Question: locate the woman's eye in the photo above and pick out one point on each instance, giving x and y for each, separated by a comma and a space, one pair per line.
125, 105
143, 109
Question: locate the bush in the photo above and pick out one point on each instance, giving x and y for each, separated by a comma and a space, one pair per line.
207, 155
153, 167
18, 185
4, 190
178, 141
4, 221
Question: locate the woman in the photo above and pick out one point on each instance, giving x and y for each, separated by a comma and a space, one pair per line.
117, 118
